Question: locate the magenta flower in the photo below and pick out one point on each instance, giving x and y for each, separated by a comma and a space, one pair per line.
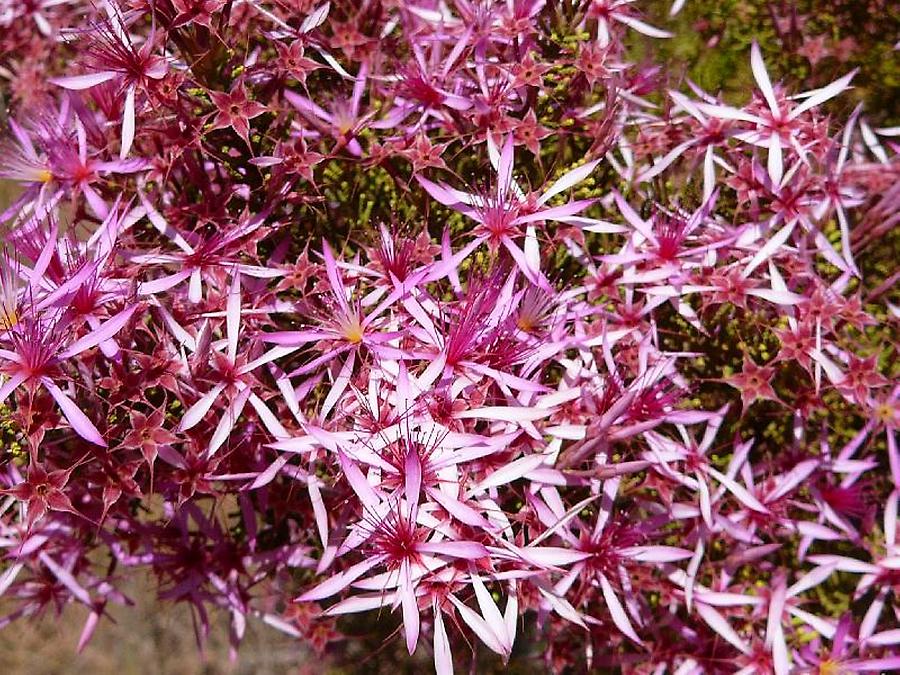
114, 56
36, 348
500, 215
777, 122
507, 406
235, 110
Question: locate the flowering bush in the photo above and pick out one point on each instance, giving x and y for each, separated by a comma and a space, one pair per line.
439, 323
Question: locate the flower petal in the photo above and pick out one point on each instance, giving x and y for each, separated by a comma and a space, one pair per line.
79, 421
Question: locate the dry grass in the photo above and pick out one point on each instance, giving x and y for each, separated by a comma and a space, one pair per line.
152, 638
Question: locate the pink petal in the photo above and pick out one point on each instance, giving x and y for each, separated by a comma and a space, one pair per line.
511, 472
491, 614
66, 579
315, 17
505, 414
339, 386
198, 411
886, 638
105, 331
78, 82
467, 550
563, 607
79, 421
163, 284
793, 478
552, 555
641, 27
294, 338
619, 617
480, 627
357, 481
845, 564
657, 554
273, 426
11, 385
660, 165
776, 607
334, 277
233, 315
762, 78
775, 166
568, 180
556, 212
227, 421
890, 517
504, 170
9, 576
410, 608
738, 491
127, 124
718, 623
87, 632
774, 243
360, 603
413, 475
438, 192
819, 96
443, 657
341, 580
726, 112
269, 474
462, 512
307, 107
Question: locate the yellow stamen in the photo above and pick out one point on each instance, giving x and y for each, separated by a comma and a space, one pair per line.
884, 413
8, 318
526, 323
353, 330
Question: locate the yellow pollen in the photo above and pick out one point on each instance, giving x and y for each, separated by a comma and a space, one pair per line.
45, 175
8, 318
829, 667
884, 412
353, 331
525, 323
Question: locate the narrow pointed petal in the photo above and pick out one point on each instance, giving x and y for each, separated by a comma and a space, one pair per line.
340, 581
505, 168
79, 82
233, 316
79, 421
198, 411
10, 385
819, 96
128, 124
410, 608
761, 75
617, 612
227, 421
107, 330
443, 657
568, 180
718, 623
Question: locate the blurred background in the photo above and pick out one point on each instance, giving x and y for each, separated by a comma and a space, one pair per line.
150, 638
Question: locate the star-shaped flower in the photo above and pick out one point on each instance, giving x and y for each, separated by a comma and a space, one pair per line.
235, 110
754, 382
